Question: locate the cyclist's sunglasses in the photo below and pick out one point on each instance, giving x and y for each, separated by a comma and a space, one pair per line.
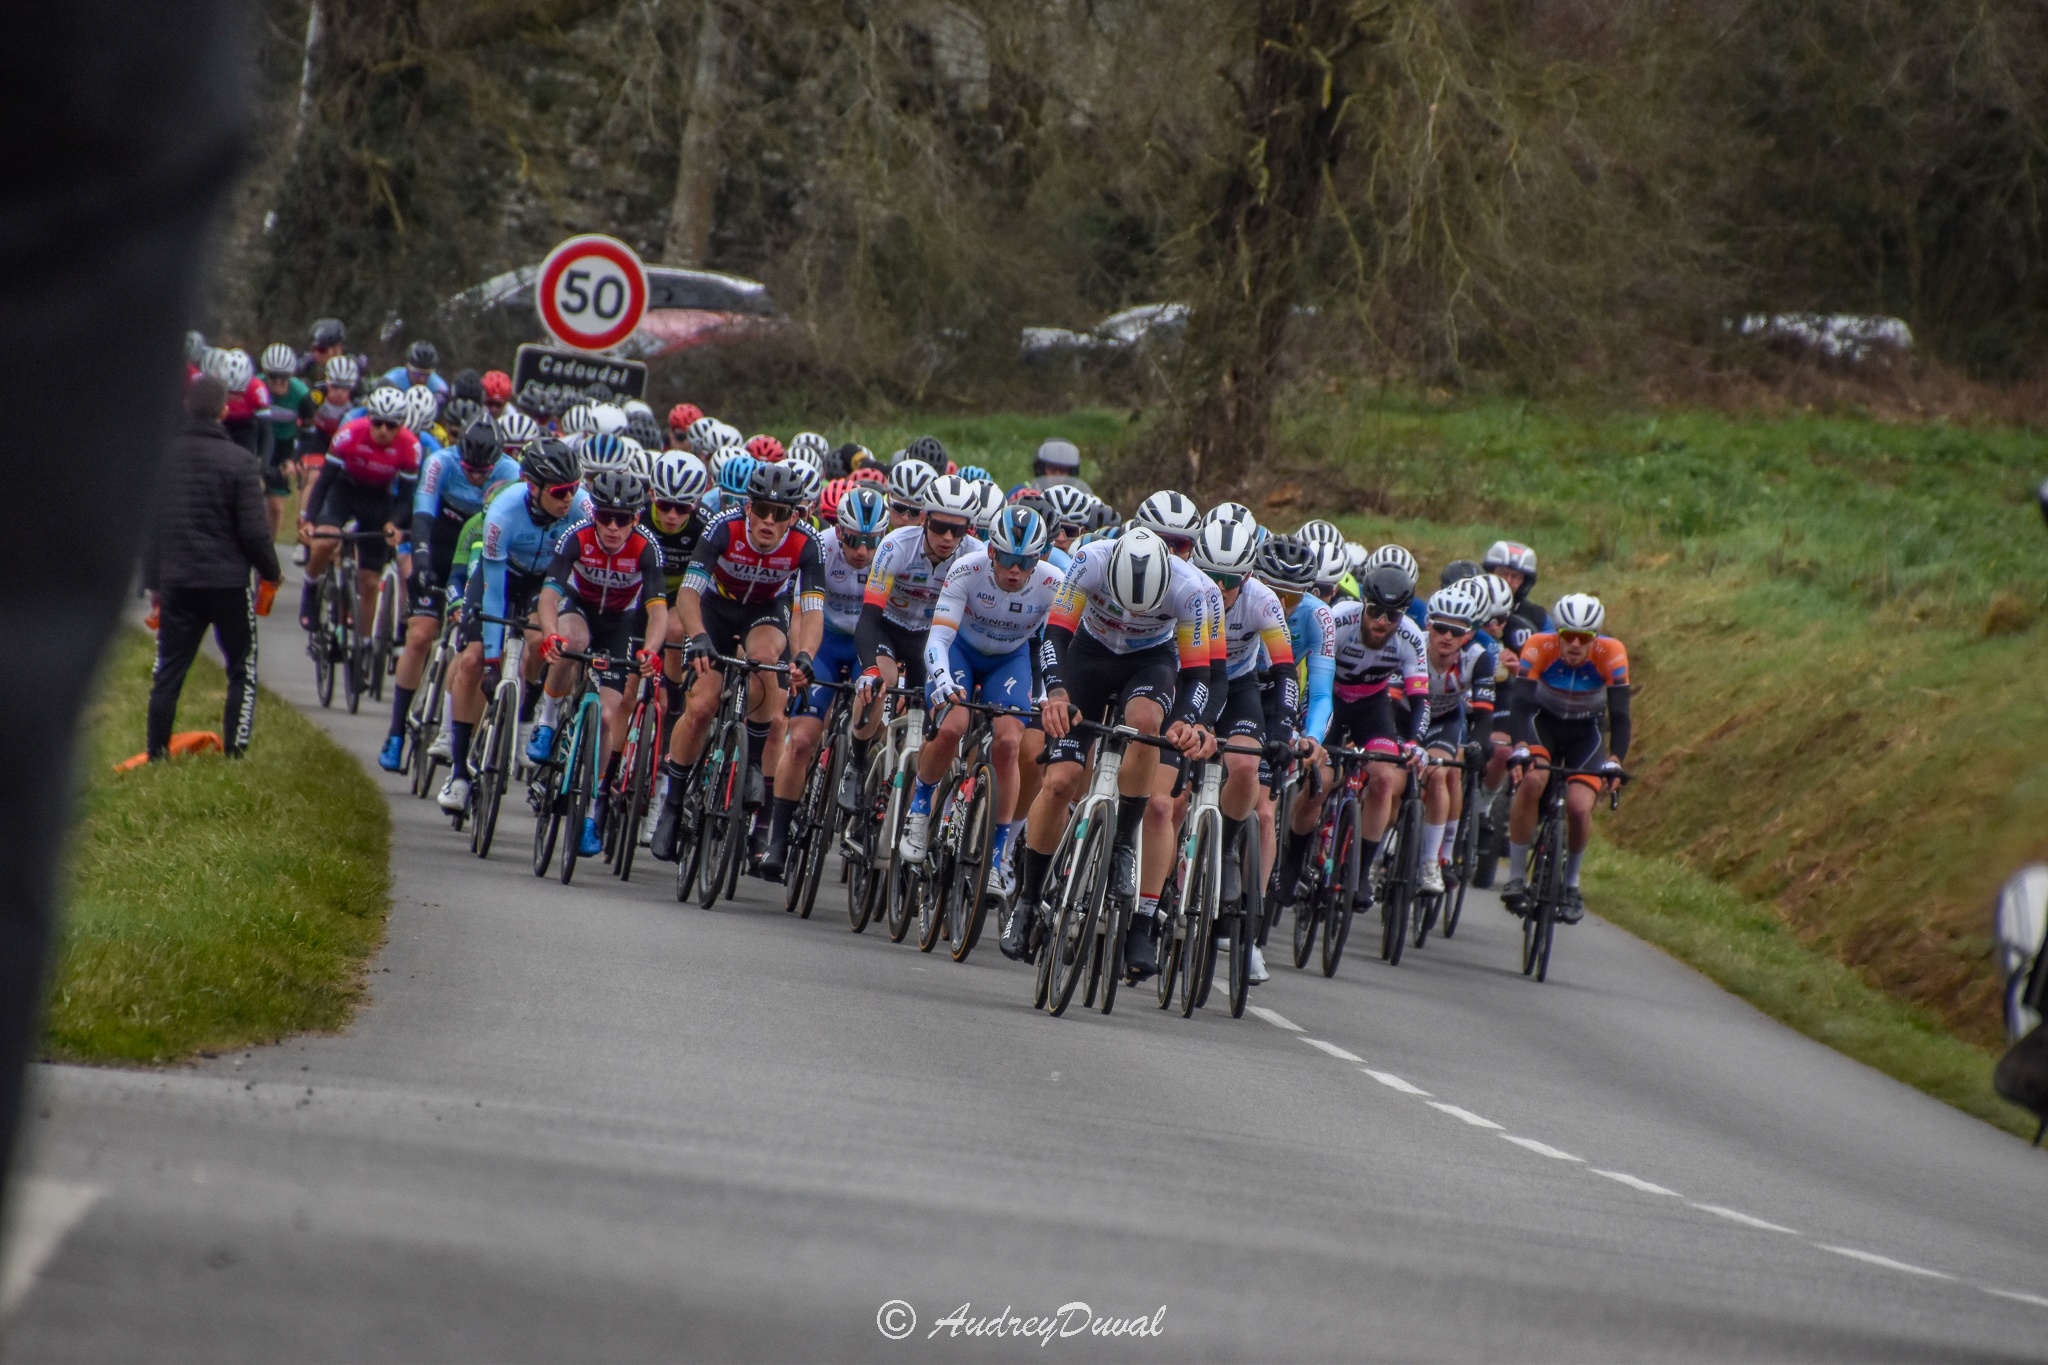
1577, 637
1227, 581
1068, 528
771, 511
904, 509
562, 490
956, 529
1010, 561
1179, 544
385, 422
859, 540
606, 516
1448, 628
674, 509
1379, 613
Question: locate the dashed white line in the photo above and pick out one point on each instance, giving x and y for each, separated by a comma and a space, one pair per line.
1275, 1018
2034, 1299
1872, 1258
1339, 1053
46, 1210
1633, 1182
1540, 1148
1393, 1082
1738, 1216
1466, 1114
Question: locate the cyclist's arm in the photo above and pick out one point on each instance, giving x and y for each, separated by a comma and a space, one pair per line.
1522, 711
1619, 726
938, 641
807, 626
311, 505
494, 605
426, 498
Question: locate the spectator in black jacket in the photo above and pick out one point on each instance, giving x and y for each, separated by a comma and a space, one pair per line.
210, 530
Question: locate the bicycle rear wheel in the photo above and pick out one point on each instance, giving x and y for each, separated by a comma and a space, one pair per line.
722, 794
968, 905
580, 778
927, 884
1072, 942
1248, 914
1343, 887
864, 882
498, 766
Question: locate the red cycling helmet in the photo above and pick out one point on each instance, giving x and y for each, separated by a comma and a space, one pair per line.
683, 415
828, 501
766, 449
868, 473
498, 386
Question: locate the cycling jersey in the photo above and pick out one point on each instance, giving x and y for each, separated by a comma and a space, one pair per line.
1255, 631
605, 580
676, 549
445, 490
402, 377
726, 565
332, 408
1184, 616
1312, 632
519, 538
1466, 684
355, 454
903, 581
290, 406
250, 405
982, 616
1573, 692
1363, 670
845, 586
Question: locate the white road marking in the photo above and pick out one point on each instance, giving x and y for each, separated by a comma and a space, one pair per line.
2034, 1299
1466, 1114
44, 1212
1540, 1148
1872, 1258
1393, 1082
1275, 1018
1633, 1182
1737, 1216
1339, 1053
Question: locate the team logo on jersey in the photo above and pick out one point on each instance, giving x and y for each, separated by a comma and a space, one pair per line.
1017, 606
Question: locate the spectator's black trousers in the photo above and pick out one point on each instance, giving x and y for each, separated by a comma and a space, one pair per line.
182, 622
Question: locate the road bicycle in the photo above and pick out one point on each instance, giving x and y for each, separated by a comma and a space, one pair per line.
563, 786
715, 814
495, 760
1402, 864
949, 887
333, 642
1081, 930
1545, 883
387, 629
1326, 900
815, 823
633, 794
1193, 917
869, 844
429, 703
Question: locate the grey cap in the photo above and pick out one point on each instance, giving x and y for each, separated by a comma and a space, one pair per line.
1063, 454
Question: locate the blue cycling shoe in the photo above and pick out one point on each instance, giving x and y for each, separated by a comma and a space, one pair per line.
392, 756
593, 842
542, 744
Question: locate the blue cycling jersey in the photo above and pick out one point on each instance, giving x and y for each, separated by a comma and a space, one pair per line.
445, 490
403, 379
1313, 632
516, 542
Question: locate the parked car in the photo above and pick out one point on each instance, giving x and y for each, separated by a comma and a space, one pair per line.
685, 308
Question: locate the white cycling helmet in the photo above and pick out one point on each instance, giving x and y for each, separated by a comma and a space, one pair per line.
1331, 565
279, 358
637, 458
810, 482
1169, 514
1228, 511
953, 494
992, 504
811, 443
632, 406
678, 476
421, 407
804, 455
701, 437
515, 429
343, 370
1318, 532
1455, 604
1017, 531
1399, 558
1357, 556
1226, 546
1578, 611
387, 403
232, 368
908, 479
1069, 504
579, 421
1139, 572
1496, 598
1509, 554
610, 420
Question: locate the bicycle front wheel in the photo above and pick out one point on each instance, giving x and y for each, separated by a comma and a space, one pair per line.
581, 780
1072, 942
722, 813
1248, 913
968, 904
1344, 888
864, 882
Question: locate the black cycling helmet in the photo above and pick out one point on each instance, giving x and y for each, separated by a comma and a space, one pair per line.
460, 414
645, 428
617, 490
779, 482
928, 449
549, 462
1102, 516
469, 384
421, 355
480, 447
839, 463
1457, 571
329, 332
1387, 588
1285, 564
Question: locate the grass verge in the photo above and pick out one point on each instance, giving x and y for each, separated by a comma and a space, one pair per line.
212, 904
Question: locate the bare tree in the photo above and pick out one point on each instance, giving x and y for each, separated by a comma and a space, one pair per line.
697, 165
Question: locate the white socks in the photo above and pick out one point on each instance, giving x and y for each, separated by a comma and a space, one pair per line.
550, 708
1432, 841
1518, 860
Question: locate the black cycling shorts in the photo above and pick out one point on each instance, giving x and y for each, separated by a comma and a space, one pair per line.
277, 481
1244, 710
1569, 743
344, 501
906, 647
1355, 724
522, 591
728, 623
611, 633
1446, 731
1102, 683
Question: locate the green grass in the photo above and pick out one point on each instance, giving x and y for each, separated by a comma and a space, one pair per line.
212, 904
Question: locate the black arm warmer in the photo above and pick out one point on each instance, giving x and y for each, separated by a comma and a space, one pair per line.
1282, 697
1522, 723
1618, 724
311, 506
1219, 690
1192, 695
868, 640
1052, 657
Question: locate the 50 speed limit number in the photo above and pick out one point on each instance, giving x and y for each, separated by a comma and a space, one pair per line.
591, 292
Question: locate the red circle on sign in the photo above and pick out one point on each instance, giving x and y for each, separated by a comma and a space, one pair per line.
588, 328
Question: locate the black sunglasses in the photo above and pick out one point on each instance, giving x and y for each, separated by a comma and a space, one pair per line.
607, 516
384, 422
1441, 628
1379, 613
858, 540
955, 529
771, 511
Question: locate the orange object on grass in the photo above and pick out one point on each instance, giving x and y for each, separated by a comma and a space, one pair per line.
189, 742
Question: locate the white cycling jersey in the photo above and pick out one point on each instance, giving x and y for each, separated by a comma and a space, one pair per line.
1191, 614
1254, 627
904, 583
1362, 670
844, 584
1465, 682
982, 616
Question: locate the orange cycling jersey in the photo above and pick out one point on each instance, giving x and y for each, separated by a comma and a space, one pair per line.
1568, 691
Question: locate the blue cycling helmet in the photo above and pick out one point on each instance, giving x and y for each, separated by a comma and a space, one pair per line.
864, 511
1019, 533
974, 473
734, 474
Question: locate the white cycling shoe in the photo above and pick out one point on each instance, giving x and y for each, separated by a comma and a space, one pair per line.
443, 746
454, 794
1002, 877
1258, 973
1432, 878
916, 829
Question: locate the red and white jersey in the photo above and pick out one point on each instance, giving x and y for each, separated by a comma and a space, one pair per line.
370, 464
607, 580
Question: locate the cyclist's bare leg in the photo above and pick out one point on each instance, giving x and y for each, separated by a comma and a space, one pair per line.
465, 686
1376, 811
1578, 816
1437, 791
1163, 814
1269, 833
1527, 806
420, 632
1002, 758
1048, 815
1240, 785
1308, 801
561, 675
700, 704
940, 750
806, 733
1030, 773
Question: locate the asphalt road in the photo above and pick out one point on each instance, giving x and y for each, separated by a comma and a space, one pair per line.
592, 1123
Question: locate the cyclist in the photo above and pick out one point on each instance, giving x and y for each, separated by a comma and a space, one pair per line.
364, 472
847, 548
1569, 678
1460, 699
451, 491
681, 418
325, 345
1515, 564
522, 526
907, 482
1288, 567
248, 415
1378, 648
291, 407
604, 571
1260, 685
336, 397
903, 588
497, 386
675, 520
419, 368
994, 603
752, 564
1129, 632
1399, 558
1070, 506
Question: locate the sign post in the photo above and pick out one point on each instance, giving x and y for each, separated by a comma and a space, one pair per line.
591, 292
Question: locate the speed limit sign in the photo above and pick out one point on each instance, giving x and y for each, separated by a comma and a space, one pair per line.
591, 292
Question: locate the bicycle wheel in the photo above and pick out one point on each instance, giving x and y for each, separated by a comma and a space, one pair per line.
579, 776
1199, 910
1116, 922
424, 727
1488, 850
722, 812
1247, 916
548, 783
1395, 894
639, 790
899, 880
504, 730
1540, 859
1343, 887
1072, 941
1464, 854
1173, 934
864, 883
383, 658
1307, 912
820, 836
689, 839
970, 898
326, 627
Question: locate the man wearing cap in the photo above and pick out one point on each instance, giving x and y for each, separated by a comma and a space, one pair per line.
1058, 462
